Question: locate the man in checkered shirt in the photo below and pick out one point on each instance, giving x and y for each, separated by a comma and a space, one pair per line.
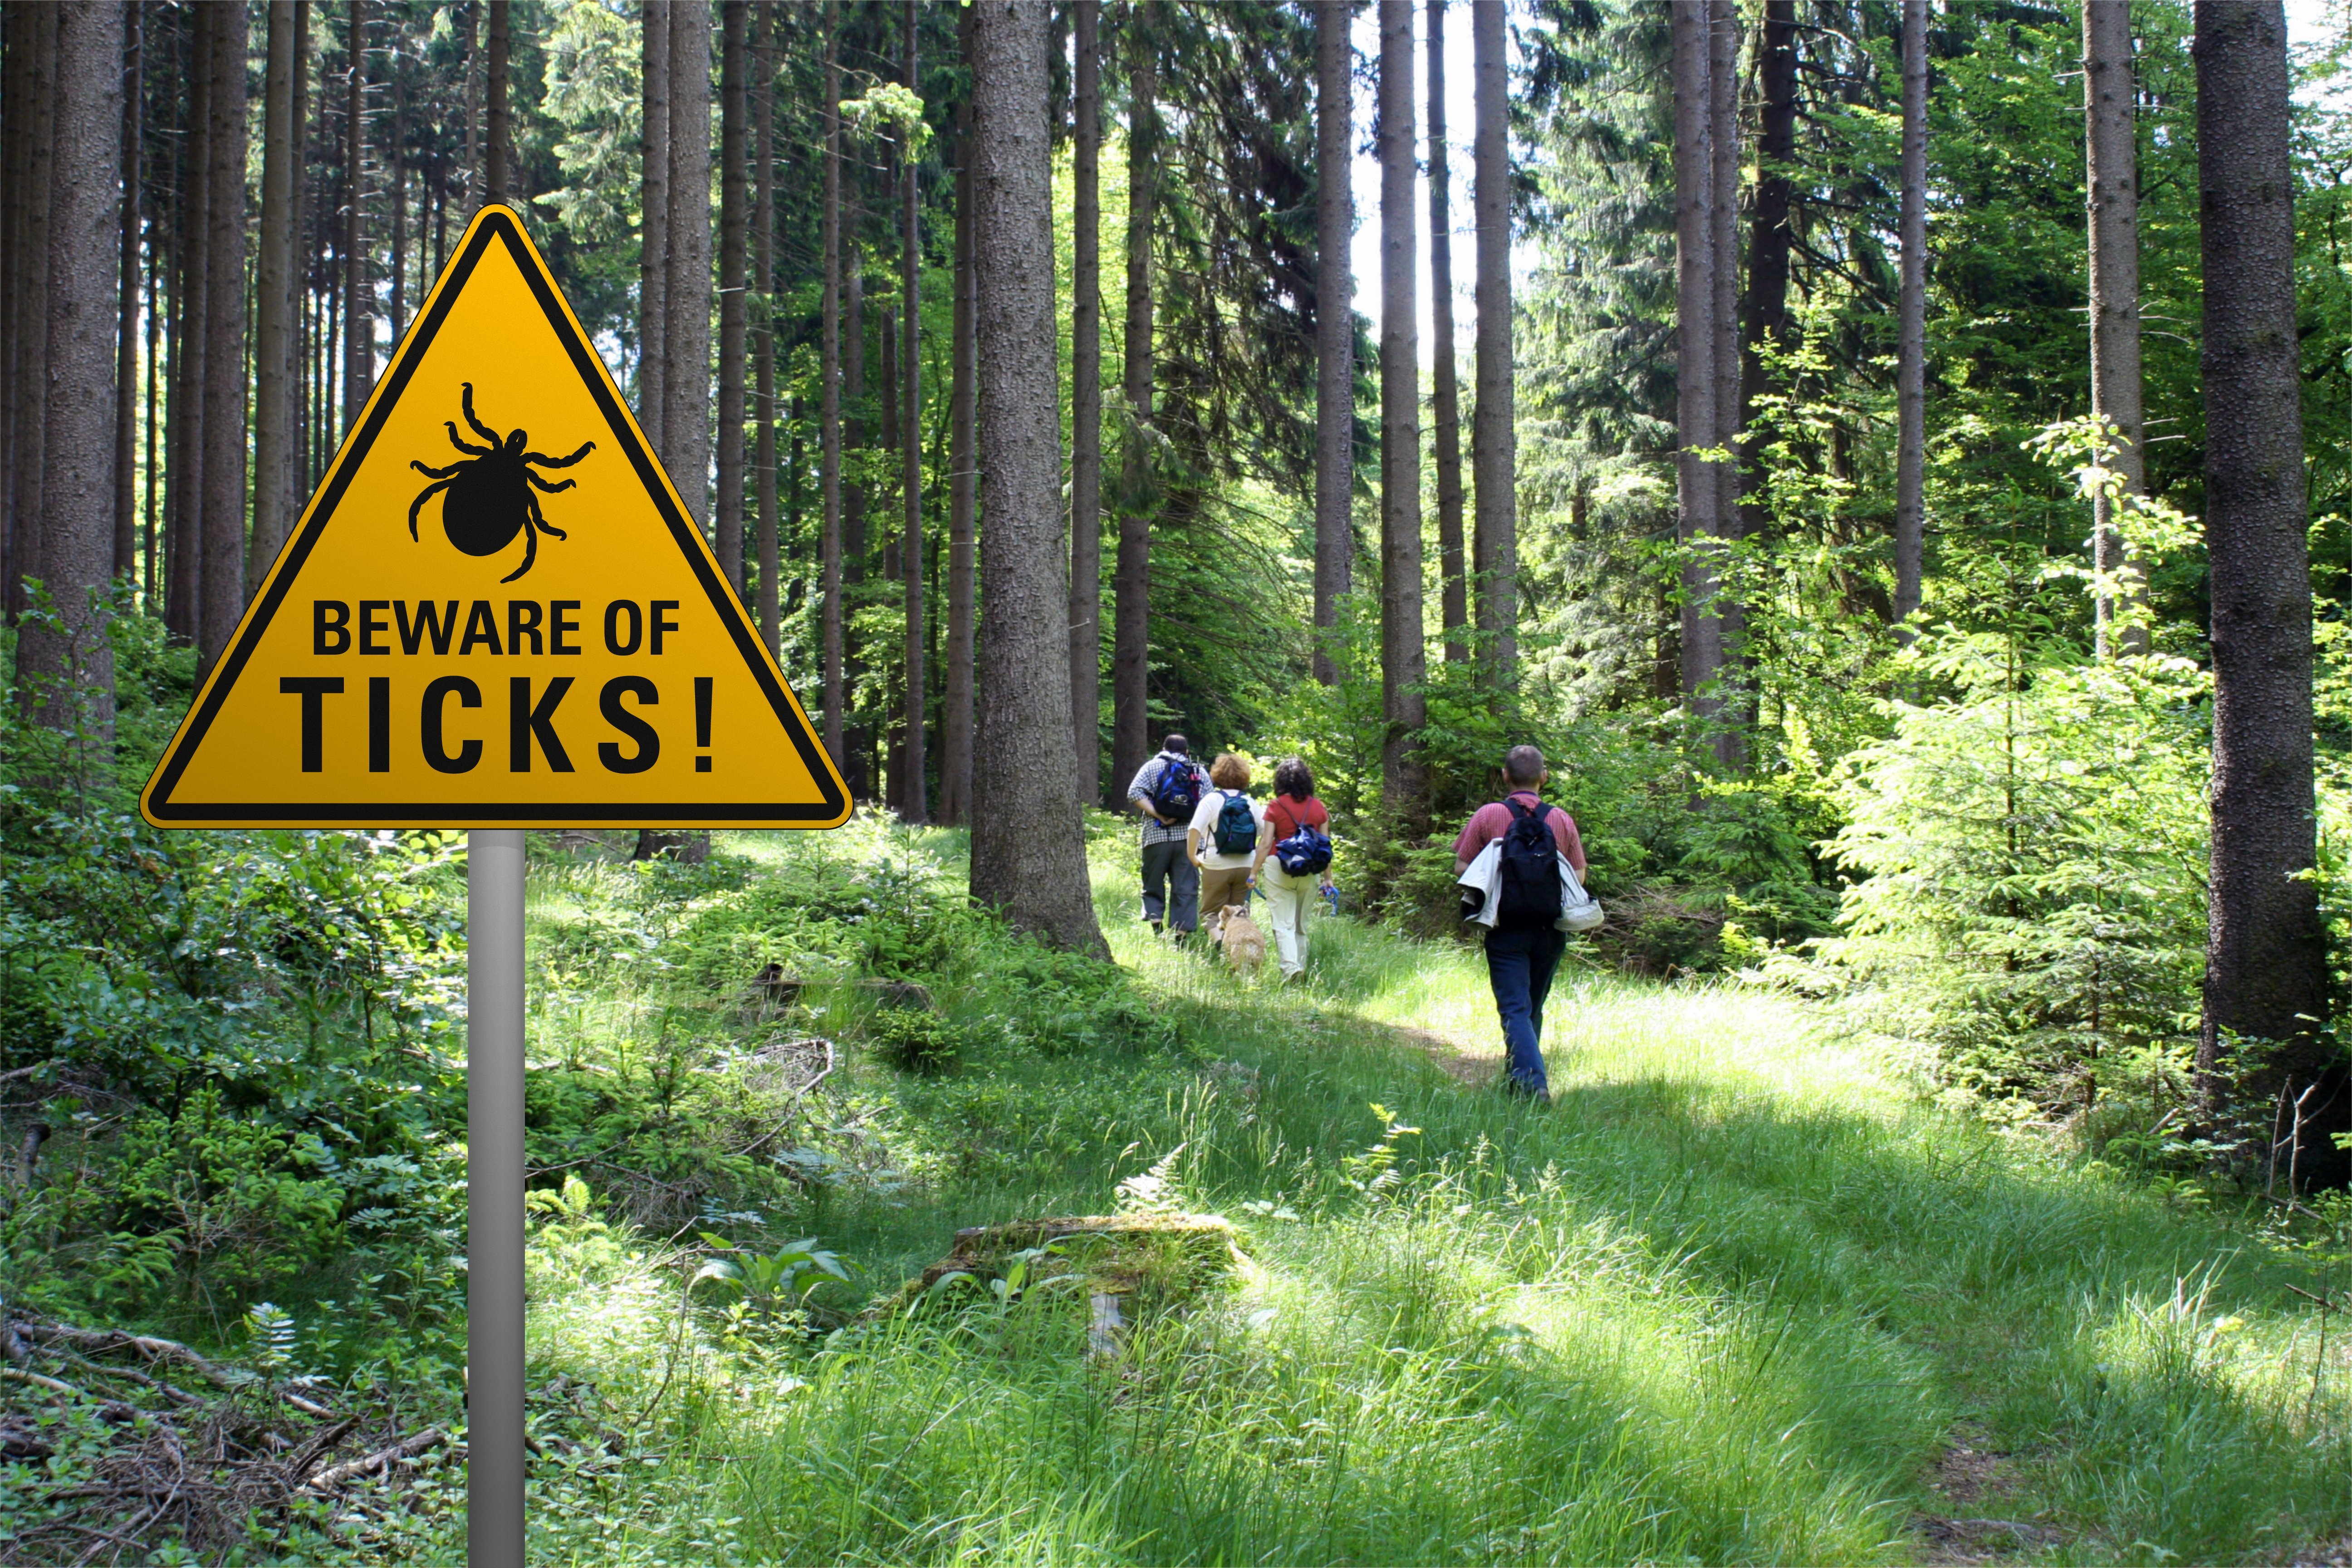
1172, 883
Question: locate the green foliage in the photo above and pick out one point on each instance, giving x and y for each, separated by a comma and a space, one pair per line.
913, 1041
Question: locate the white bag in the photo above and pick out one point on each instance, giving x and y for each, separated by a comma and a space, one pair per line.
1579, 911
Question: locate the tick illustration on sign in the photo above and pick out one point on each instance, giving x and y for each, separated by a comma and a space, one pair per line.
489, 500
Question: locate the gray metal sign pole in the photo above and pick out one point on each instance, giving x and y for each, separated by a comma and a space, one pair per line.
494, 1218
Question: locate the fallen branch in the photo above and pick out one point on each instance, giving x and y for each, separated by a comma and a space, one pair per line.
98, 1340
15, 1073
309, 1454
383, 1458
54, 1385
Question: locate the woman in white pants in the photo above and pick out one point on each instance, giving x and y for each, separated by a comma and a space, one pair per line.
1288, 897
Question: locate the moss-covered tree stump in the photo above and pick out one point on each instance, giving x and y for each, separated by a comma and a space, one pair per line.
1144, 1263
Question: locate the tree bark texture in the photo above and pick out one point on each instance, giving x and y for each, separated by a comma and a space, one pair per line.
914, 801
277, 300
1403, 708
76, 553
1085, 402
653, 229
1138, 490
2111, 181
1445, 397
24, 131
1764, 314
2266, 966
1034, 872
126, 318
225, 397
955, 722
497, 176
1729, 739
735, 25
1335, 333
1698, 484
359, 293
763, 314
1911, 329
829, 571
185, 466
1494, 439
685, 386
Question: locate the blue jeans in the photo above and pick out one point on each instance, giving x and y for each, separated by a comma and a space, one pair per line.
1519, 964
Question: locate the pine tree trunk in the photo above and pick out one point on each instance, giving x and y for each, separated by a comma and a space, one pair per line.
860, 766
359, 293
955, 728
1404, 785
1335, 334
275, 299
1086, 394
1731, 737
1699, 489
69, 670
829, 564
685, 417
1764, 313
498, 156
1021, 864
733, 268
38, 39
1131, 631
224, 527
1911, 330
763, 308
1444, 397
125, 565
396, 187
2266, 955
15, 127
913, 797
1493, 438
184, 469
652, 223
2112, 180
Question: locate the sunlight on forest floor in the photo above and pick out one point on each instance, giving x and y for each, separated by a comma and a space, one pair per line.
1735, 1296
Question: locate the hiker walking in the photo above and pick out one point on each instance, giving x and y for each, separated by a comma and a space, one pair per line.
1524, 945
1223, 836
1166, 790
1294, 857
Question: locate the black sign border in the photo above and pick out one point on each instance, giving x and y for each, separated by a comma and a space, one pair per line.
500, 225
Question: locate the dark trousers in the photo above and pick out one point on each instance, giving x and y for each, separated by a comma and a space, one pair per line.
1519, 964
1172, 886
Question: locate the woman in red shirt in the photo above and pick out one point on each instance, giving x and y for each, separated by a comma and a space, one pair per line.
1294, 806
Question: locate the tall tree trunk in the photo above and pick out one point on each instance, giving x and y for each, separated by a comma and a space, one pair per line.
913, 799
125, 565
36, 38
497, 172
955, 728
16, 128
1335, 333
150, 542
1911, 330
1131, 631
477, 90
224, 528
396, 182
860, 773
359, 293
2111, 177
1494, 437
1086, 393
1764, 311
763, 306
184, 467
1731, 737
1034, 873
685, 419
1695, 383
829, 398
2266, 956
653, 224
76, 553
276, 298
733, 199
1404, 785
1445, 397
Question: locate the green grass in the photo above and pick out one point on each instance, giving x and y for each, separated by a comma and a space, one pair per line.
1733, 1298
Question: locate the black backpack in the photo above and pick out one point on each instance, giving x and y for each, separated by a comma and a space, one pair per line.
1236, 825
1177, 790
1530, 868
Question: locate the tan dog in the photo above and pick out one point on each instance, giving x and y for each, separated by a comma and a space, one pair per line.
1244, 944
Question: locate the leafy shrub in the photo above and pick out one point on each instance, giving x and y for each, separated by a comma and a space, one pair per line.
915, 1041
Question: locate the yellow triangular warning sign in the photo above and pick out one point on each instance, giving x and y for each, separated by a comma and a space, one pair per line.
494, 612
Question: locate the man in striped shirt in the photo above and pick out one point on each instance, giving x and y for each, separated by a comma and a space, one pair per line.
1172, 884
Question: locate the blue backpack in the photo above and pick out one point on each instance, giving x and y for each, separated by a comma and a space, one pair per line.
1236, 824
1177, 790
1305, 852
1530, 879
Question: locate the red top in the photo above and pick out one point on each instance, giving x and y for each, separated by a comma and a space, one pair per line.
1493, 820
1287, 816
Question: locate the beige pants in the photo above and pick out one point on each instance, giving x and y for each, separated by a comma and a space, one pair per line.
1287, 899
1219, 888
